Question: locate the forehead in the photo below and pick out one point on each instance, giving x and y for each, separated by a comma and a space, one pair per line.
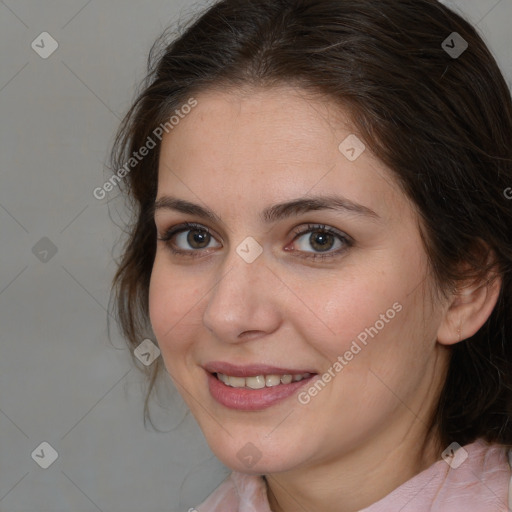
278, 143
280, 117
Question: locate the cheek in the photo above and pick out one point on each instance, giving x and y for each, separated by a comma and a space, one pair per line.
372, 316
172, 301
341, 308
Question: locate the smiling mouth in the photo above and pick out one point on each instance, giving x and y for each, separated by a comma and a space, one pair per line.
260, 381
254, 392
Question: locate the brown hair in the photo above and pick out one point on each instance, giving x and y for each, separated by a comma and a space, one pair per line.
441, 122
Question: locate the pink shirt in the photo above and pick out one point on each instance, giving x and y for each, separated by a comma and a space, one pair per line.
481, 483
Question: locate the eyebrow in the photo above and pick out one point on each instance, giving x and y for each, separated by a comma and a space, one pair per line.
276, 212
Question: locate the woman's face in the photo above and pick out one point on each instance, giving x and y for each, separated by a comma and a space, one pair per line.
268, 293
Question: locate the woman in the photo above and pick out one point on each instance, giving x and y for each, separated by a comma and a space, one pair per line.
322, 248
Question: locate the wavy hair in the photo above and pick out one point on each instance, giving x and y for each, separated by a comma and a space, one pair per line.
441, 122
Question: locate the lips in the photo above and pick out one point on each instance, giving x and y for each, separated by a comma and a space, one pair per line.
248, 398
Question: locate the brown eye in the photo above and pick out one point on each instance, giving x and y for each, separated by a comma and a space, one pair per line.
187, 239
197, 239
321, 240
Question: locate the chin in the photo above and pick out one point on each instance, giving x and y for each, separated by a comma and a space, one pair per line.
256, 457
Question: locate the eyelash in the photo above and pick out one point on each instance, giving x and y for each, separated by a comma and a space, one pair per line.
298, 232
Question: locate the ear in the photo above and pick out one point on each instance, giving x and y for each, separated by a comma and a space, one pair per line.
468, 310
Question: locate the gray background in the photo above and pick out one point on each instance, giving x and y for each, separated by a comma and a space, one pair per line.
61, 380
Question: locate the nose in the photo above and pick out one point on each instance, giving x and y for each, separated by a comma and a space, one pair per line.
243, 303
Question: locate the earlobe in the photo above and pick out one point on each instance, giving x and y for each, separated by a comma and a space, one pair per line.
468, 311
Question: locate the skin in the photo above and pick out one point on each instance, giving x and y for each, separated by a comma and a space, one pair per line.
364, 434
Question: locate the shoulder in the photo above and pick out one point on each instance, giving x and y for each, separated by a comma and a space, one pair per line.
483, 480
471, 478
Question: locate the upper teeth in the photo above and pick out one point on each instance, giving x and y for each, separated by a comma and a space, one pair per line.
260, 381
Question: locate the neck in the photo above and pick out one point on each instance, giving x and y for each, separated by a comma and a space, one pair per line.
357, 479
